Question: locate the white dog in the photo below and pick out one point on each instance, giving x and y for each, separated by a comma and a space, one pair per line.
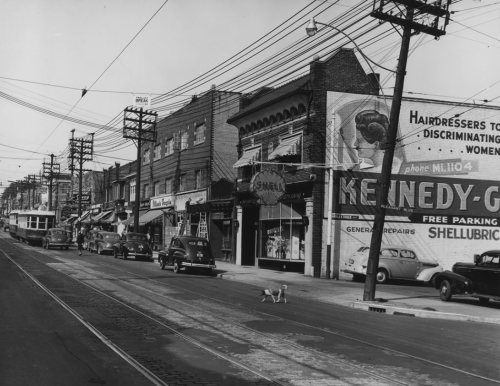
280, 293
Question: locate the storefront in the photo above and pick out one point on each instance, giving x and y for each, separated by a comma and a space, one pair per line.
158, 221
190, 218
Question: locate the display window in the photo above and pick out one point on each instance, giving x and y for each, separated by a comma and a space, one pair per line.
282, 231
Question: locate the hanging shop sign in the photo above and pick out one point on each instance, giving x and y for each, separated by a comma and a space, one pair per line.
163, 201
269, 186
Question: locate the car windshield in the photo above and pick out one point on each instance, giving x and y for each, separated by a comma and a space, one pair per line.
137, 238
58, 232
111, 237
490, 259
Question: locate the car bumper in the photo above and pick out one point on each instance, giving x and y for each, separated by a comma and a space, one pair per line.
150, 255
361, 271
187, 264
59, 244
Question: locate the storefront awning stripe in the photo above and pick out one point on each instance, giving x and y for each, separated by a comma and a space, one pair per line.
108, 217
150, 216
248, 157
289, 146
101, 215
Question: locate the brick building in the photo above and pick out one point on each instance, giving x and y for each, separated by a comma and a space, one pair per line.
285, 130
187, 175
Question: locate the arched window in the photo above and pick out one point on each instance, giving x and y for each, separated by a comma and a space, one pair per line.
260, 125
242, 131
254, 127
266, 122
286, 114
294, 112
272, 119
302, 109
279, 117
248, 129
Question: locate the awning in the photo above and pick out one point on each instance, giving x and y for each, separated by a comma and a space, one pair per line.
130, 221
102, 215
86, 216
288, 146
107, 217
150, 216
248, 157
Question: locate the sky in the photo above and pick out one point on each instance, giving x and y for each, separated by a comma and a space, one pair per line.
52, 49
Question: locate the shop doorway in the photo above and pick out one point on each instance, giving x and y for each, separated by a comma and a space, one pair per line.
250, 228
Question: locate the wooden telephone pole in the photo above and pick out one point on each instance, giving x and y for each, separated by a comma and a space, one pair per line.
410, 16
50, 169
139, 125
81, 150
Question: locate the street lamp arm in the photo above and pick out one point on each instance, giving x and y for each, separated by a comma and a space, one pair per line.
353, 42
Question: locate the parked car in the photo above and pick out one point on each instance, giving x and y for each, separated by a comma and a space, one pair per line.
480, 279
187, 252
89, 237
56, 237
134, 244
395, 262
103, 242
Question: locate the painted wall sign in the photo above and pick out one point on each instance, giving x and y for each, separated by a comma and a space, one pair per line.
197, 197
268, 185
444, 199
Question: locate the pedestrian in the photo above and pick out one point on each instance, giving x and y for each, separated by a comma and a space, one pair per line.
79, 241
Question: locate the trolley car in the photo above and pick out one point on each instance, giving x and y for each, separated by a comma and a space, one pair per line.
13, 222
32, 225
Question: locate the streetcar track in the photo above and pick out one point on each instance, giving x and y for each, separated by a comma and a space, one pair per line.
301, 325
215, 352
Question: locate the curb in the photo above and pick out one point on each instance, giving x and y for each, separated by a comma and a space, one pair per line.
399, 311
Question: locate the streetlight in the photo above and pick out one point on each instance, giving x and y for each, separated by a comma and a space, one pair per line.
311, 30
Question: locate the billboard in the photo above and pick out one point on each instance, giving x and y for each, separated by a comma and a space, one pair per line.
444, 199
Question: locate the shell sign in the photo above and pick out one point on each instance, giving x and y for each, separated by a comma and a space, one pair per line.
268, 186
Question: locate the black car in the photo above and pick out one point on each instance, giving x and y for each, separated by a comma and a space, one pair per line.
133, 244
480, 279
187, 252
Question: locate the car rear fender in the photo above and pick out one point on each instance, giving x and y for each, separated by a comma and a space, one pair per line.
458, 282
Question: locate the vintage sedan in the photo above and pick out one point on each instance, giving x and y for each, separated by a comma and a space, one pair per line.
480, 279
103, 242
56, 237
395, 262
133, 244
187, 252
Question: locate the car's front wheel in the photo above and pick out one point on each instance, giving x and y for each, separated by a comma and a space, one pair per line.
177, 267
382, 276
445, 291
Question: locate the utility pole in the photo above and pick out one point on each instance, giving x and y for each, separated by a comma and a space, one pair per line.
412, 8
133, 122
81, 150
49, 170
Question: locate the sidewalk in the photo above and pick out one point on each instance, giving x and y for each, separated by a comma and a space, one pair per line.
423, 302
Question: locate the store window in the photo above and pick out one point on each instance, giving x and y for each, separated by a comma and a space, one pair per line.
282, 231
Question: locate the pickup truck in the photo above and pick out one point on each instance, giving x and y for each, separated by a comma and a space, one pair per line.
480, 279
